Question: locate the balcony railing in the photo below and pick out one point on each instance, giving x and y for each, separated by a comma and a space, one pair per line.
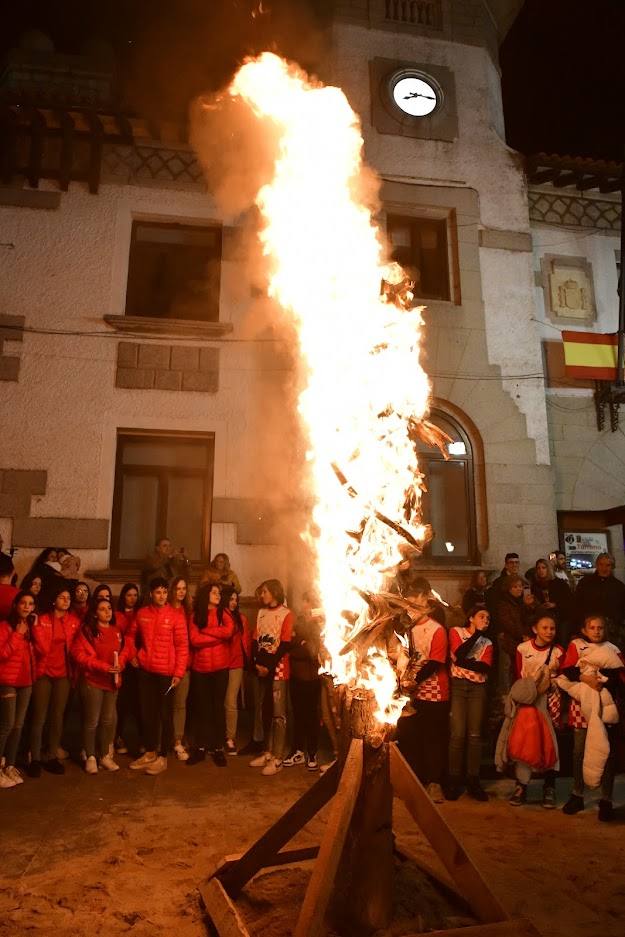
427, 13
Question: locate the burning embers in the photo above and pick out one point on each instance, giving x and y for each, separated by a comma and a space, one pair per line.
364, 393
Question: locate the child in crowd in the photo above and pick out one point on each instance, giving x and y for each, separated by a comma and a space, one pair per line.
592, 662
240, 655
270, 647
210, 633
471, 655
52, 635
180, 601
423, 730
100, 652
128, 694
305, 686
17, 672
540, 653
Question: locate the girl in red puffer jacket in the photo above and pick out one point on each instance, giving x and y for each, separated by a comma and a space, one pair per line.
210, 635
52, 635
100, 652
17, 672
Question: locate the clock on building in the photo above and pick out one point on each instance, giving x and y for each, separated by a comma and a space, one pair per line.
415, 93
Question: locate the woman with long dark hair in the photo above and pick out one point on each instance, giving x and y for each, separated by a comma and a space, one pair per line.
240, 656
52, 635
32, 583
128, 704
100, 653
180, 601
102, 591
17, 672
210, 633
48, 569
221, 573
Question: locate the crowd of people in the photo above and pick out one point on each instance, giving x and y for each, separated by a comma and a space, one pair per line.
156, 672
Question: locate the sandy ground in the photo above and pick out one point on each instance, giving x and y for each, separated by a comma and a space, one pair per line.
124, 853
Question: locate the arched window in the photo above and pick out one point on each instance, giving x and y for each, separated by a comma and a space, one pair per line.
449, 503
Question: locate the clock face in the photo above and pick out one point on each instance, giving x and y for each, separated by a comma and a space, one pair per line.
415, 96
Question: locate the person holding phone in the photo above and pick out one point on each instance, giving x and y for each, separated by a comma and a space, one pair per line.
17, 672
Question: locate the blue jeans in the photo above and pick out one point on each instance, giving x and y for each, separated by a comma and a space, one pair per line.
467, 713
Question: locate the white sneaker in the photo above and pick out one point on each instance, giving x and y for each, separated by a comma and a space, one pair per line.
261, 760
297, 758
157, 766
272, 767
311, 763
13, 774
5, 780
435, 793
181, 753
144, 761
91, 765
108, 762
61, 754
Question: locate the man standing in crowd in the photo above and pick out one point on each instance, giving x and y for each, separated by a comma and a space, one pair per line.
163, 563
560, 571
601, 593
511, 567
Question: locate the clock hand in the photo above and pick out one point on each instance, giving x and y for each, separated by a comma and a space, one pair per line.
417, 94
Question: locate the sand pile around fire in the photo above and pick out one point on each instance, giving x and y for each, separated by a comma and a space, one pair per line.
120, 854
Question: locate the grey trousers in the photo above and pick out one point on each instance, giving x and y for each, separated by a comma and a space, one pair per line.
13, 705
49, 700
277, 733
235, 678
99, 717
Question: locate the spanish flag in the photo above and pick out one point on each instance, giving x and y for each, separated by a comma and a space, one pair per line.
590, 355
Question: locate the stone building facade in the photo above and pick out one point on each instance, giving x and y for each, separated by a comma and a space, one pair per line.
82, 377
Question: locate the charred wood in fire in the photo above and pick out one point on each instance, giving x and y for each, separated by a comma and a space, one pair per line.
426, 432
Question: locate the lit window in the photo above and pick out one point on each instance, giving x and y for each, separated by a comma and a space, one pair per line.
421, 246
449, 503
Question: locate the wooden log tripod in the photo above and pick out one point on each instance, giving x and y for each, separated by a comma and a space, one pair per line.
352, 877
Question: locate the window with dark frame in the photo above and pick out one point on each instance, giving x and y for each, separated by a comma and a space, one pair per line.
449, 503
174, 271
421, 246
163, 488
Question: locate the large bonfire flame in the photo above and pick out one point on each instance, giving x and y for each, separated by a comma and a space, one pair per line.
364, 389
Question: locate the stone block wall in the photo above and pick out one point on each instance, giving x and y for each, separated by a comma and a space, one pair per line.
149, 366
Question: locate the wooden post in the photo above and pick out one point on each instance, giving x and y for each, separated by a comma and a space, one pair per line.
363, 895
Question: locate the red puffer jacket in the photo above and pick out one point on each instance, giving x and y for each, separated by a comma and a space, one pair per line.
161, 639
17, 658
94, 656
47, 658
125, 621
211, 645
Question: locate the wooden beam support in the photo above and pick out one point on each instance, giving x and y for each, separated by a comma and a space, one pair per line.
265, 850
37, 130
310, 922
221, 910
431, 823
539, 176
566, 178
67, 139
95, 152
588, 182
514, 927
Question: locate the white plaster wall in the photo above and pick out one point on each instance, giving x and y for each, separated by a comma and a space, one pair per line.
479, 159
69, 269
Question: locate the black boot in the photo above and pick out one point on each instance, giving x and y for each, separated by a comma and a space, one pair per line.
606, 810
197, 755
54, 766
475, 790
252, 748
574, 804
34, 769
452, 789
